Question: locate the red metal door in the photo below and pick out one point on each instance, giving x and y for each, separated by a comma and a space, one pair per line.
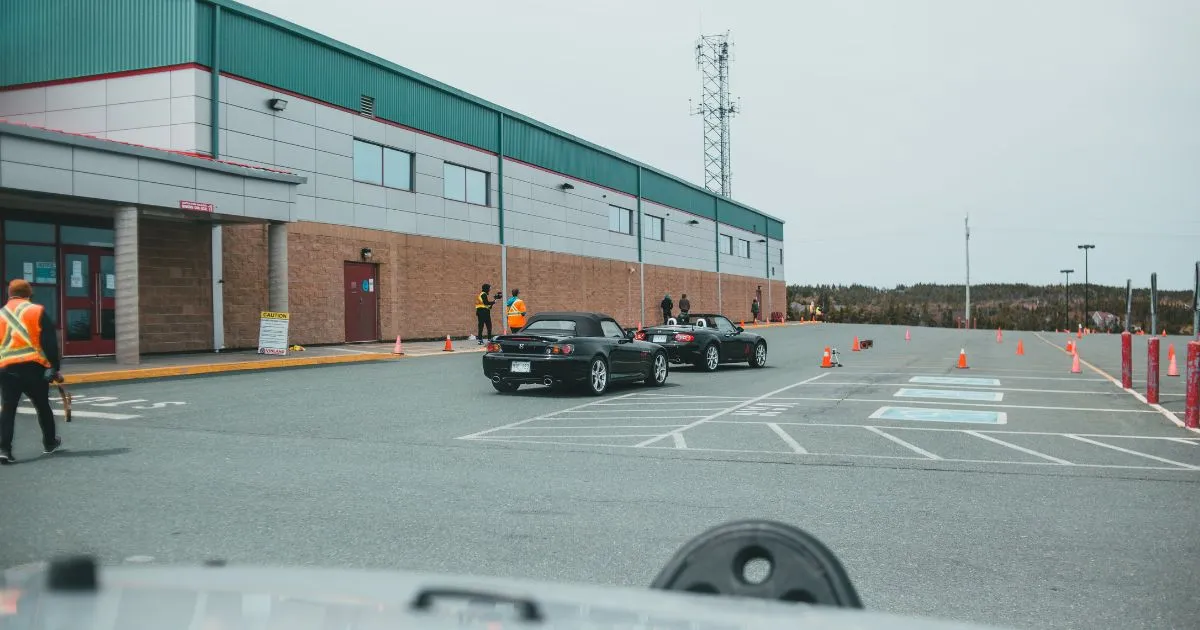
89, 308
362, 303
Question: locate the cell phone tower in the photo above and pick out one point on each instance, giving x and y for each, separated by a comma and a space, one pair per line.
716, 108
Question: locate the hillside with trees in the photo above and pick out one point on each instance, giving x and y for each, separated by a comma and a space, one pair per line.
1007, 306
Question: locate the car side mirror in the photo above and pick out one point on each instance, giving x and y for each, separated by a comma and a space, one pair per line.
740, 329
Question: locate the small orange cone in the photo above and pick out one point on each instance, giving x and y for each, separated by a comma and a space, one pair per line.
825, 362
449, 347
398, 349
999, 336
1075, 364
1070, 346
907, 335
1020, 348
855, 347
962, 359
1172, 369
1170, 352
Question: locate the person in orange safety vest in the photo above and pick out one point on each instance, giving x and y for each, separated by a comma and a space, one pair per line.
29, 362
516, 311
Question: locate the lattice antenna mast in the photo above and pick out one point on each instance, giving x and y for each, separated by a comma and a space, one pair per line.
716, 108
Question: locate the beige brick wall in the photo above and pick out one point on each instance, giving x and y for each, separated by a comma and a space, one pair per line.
175, 286
244, 269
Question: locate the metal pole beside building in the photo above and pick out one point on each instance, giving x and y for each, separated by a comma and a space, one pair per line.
1128, 304
1154, 304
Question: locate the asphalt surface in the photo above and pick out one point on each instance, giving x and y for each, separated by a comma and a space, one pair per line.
1077, 508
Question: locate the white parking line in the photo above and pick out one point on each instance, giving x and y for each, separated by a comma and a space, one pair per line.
601, 426
911, 447
534, 419
729, 409
79, 413
1027, 451
628, 417
783, 435
679, 441
977, 387
1192, 441
1125, 450
632, 410
963, 404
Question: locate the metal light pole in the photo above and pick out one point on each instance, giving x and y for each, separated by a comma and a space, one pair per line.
967, 227
1085, 249
1067, 273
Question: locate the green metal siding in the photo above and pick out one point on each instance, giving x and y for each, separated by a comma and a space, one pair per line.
534, 145
204, 33
308, 67
48, 40
670, 192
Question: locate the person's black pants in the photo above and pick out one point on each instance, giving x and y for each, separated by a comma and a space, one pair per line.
484, 319
666, 316
28, 379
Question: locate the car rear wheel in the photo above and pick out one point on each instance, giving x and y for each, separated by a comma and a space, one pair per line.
759, 357
597, 382
658, 371
506, 388
710, 359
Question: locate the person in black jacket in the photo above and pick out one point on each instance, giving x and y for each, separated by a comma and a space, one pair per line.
666, 306
483, 313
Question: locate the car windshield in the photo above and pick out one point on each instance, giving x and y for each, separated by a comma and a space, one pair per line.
551, 327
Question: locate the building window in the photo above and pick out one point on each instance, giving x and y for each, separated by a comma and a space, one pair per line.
620, 220
465, 184
781, 255
743, 248
727, 244
383, 166
652, 227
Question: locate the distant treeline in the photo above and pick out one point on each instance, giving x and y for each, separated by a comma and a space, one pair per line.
1008, 306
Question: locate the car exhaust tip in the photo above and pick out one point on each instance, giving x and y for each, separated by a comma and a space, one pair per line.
548, 381
496, 379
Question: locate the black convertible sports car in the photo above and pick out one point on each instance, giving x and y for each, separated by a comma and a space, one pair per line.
590, 349
706, 341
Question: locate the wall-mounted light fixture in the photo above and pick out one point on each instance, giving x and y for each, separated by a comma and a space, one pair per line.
566, 186
762, 240
693, 222
277, 104
366, 253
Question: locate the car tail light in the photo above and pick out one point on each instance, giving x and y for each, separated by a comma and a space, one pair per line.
493, 347
640, 335
684, 337
565, 348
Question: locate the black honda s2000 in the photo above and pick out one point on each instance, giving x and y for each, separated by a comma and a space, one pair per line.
707, 341
589, 349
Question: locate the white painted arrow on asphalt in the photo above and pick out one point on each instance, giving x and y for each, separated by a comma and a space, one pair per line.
75, 413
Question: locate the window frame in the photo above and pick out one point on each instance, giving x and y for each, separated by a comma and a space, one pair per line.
662, 227
382, 152
620, 331
727, 244
743, 246
626, 214
467, 171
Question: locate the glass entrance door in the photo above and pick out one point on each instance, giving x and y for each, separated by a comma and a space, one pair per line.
89, 281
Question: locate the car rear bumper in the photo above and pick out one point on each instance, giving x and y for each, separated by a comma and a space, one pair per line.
543, 370
682, 352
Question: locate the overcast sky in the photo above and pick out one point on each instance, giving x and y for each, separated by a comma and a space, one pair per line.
871, 128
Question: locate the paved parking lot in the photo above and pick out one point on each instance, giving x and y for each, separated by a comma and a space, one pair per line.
1012, 492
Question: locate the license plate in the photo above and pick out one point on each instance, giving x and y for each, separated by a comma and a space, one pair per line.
659, 339
520, 367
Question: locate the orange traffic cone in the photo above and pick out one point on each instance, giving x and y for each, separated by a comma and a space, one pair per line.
825, 362
1075, 364
398, 349
855, 347
1070, 346
1020, 348
999, 336
907, 335
962, 359
1172, 369
449, 347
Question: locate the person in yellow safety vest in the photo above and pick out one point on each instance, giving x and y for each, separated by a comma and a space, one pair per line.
483, 312
29, 362
516, 311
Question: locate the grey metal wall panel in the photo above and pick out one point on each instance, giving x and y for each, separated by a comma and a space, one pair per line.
334, 120
333, 164
166, 173
370, 194
76, 95
154, 194
105, 187
142, 87
293, 157
371, 217
248, 147
336, 188
456, 210
401, 221
249, 121
484, 233
184, 109
333, 142
401, 200
220, 182
101, 163
333, 211
304, 208
429, 185
27, 101
262, 189
429, 165
296, 133
223, 203
368, 129
145, 136
430, 225
27, 151
433, 205
268, 209
400, 138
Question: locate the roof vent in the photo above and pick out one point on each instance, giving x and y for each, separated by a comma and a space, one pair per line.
366, 106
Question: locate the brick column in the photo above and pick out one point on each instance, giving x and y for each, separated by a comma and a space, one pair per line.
125, 224
277, 267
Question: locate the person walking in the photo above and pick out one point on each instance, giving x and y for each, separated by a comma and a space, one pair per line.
516, 311
685, 306
483, 313
29, 361
755, 309
666, 305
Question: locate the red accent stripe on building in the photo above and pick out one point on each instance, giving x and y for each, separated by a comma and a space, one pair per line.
99, 77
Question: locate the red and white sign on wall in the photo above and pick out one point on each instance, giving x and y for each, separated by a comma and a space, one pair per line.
196, 206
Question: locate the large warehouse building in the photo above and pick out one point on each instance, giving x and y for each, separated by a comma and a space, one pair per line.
171, 168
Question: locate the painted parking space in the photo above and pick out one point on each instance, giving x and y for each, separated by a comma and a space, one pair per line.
951, 394
920, 414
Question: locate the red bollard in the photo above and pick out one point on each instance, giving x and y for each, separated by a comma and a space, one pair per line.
1192, 417
1152, 371
1126, 360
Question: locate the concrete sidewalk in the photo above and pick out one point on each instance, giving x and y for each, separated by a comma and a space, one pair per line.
105, 369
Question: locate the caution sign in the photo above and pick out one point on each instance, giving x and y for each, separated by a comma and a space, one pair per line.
273, 333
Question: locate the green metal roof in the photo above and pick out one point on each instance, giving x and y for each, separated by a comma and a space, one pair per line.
77, 38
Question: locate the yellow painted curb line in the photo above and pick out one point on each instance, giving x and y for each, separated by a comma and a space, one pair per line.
216, 368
